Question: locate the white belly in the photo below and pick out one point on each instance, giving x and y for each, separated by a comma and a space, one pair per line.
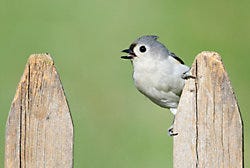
166, 96
160, 86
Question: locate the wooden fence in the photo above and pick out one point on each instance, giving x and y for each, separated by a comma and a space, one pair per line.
208, 119
39, 130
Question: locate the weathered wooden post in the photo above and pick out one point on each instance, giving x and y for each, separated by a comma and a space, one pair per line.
39, 130
208, 119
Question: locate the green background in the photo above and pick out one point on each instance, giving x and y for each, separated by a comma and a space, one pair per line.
115, 126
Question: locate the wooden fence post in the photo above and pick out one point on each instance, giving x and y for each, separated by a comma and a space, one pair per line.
208, 119
39, 130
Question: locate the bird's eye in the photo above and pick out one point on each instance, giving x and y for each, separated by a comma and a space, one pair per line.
142, 49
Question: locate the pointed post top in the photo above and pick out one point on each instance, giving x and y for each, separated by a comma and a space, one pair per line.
208, 120
39, 129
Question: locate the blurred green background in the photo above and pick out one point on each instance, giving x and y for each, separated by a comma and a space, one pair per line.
115, 126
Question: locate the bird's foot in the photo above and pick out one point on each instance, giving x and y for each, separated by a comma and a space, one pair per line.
171, 131
187, 75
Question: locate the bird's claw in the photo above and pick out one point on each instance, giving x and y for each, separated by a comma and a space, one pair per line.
187, 75
171, 132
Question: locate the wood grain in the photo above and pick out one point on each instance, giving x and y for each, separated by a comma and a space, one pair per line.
208, 119
39, 130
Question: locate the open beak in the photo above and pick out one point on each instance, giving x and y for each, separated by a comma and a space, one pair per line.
130, 52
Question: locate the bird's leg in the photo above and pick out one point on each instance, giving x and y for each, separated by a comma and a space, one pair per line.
170, 130
187, 75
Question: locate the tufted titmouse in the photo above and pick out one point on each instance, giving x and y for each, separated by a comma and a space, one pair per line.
158, 73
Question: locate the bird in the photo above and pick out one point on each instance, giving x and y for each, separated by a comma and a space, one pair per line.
157, 73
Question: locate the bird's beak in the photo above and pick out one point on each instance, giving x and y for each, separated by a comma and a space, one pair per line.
130, 52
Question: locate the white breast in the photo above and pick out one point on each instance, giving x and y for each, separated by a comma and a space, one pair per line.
160, 80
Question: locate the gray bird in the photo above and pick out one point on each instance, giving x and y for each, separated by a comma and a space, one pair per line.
158, 73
